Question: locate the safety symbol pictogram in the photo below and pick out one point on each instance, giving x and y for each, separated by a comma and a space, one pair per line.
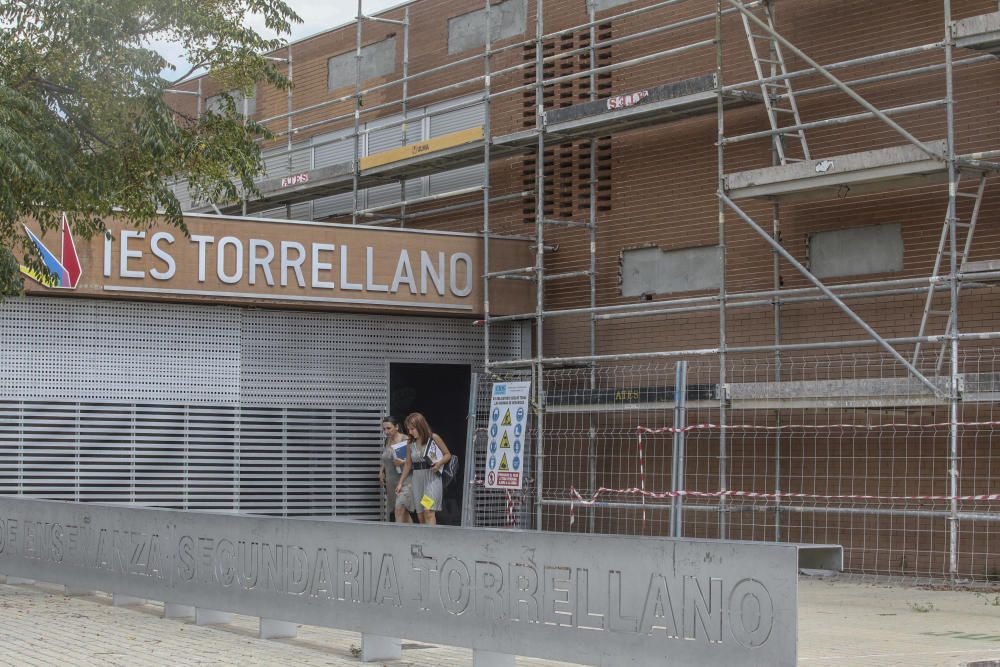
505, 441
503, 463
506, 419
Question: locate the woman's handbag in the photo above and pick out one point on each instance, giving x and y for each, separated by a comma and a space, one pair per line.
449, 471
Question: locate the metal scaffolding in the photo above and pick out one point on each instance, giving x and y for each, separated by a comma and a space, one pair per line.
800, 171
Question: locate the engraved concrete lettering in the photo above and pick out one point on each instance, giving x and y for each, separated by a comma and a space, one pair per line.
387, 589
658, 611
701, 611
523, 593
585, 616
751, 613
348, 571
423, 566
489, 590
298, 570
603, 600
617, 620
559, 596
454, 586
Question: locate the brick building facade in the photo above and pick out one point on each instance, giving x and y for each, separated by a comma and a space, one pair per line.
654, 186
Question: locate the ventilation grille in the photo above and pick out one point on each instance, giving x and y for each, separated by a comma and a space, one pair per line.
199, 407
567, 166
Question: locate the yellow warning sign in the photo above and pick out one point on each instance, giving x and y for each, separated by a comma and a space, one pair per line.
506, 419
504, 441
503, 462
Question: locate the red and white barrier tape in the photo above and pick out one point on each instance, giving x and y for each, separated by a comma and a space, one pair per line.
707, 426
577, 498
642, 476
510, 510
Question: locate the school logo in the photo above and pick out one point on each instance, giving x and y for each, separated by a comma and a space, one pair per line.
66, 270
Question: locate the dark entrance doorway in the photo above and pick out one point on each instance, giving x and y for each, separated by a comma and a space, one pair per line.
441, 393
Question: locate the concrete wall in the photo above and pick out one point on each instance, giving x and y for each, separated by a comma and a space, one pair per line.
468, 31
655, 271
601, 5
377, 59
857, 251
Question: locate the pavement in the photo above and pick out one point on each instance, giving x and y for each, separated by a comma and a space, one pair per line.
841, 622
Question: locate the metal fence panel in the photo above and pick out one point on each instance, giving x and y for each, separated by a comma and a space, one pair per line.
823, 450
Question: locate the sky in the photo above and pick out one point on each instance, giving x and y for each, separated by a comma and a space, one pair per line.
317, 16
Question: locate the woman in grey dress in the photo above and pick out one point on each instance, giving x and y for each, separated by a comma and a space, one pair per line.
427, 455
398, 496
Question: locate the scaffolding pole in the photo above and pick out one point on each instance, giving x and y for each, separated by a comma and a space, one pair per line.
952, 331
720, 162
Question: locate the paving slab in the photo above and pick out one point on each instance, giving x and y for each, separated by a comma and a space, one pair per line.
841, 622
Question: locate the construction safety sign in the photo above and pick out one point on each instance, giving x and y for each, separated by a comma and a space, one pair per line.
507, 430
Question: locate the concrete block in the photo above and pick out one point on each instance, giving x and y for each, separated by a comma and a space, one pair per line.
211, 617
378, 647
174, 610
273, 629
119, 600
491, 659
19, 581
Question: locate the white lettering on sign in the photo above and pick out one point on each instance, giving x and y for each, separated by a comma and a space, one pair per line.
232, 260
625, 101
297, 179
130, 254
163, 256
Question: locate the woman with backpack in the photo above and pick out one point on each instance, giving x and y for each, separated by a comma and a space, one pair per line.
427, 455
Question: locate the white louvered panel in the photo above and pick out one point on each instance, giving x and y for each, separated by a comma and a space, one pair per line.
333, 148
280, 161
456, 179
333, 205
445, 122
182, 191
384, 135
280, 213
453, 121
302, 211
275, 163
301, 156
384, 195
138, 416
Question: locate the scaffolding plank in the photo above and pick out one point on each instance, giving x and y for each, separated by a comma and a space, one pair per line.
421, 148
450, 151
839, 176
641, 108
981, 33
